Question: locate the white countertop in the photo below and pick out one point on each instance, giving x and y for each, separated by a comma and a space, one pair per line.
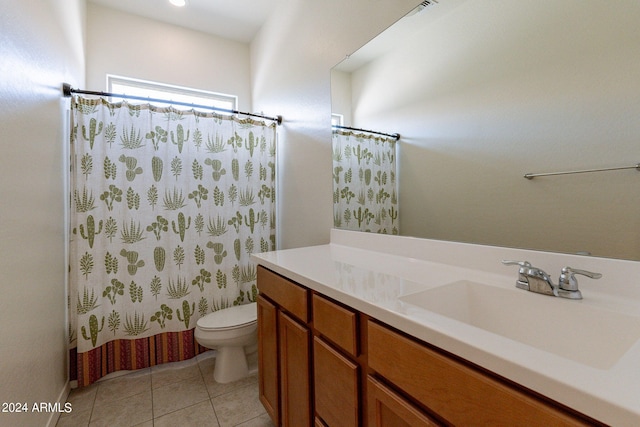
370, 273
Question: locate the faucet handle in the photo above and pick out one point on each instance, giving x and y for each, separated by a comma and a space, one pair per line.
523, 271
568, 281
524, 264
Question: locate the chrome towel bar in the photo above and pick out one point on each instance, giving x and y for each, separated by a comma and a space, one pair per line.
533, 175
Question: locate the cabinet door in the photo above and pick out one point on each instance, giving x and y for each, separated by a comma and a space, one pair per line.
268, 358
336, 386
295, 372
388, 409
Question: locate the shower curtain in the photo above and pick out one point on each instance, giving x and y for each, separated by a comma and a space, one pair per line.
166, 208
365, 196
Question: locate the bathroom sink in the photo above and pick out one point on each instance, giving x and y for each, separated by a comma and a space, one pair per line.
570, 329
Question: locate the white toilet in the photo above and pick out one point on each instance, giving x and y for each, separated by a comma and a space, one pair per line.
233, 333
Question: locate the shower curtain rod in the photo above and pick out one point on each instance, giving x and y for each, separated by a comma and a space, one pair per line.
396, 136
67, 90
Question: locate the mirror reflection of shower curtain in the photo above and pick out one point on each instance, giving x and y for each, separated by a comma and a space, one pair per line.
167, 206
365, 196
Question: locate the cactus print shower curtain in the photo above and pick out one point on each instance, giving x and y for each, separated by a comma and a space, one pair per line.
365, 196
166, 208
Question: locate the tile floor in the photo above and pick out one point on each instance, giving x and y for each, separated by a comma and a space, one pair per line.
174, 394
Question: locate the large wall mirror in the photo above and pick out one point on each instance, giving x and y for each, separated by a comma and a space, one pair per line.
483, 92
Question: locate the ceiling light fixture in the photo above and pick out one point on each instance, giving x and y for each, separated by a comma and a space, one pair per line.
178, 3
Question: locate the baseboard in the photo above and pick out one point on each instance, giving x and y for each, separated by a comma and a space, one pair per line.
62, 399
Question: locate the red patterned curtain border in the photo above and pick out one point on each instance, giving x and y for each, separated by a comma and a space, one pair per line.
130, 355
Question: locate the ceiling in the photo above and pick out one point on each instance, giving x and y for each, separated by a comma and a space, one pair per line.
237, 20
416, 20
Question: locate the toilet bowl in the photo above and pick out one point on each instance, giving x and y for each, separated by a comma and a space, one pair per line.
232, 332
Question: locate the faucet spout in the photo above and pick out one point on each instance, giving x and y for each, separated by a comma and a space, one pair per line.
541, 283
533, 279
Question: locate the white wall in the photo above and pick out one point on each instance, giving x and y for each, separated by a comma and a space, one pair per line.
41, 46
496, 89
285, 71
151, 50
291, 58
341, 95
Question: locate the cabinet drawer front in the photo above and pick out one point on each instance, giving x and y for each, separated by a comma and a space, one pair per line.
386, 408
336, 386
291, 297
460, 394
336, 323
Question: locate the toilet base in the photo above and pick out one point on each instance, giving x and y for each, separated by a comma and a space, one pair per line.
231, 364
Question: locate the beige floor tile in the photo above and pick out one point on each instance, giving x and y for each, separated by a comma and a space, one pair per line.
182, 393
237, 406
82, 398
178, 395
75, 418
198, 415
128, 411
261, 421
124, 386
168, 373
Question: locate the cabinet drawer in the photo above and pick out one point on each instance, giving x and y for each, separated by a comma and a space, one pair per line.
291, 297
455, 391
336, 386
386, 408
336, 323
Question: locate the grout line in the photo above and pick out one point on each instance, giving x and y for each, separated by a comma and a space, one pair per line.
202, 374
215, 413
93, 404
153, 415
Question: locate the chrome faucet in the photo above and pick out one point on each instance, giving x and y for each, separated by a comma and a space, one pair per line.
533, 279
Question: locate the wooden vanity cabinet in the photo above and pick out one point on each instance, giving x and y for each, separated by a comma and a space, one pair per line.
336, 386
284, 350
454, 390
387, 408
336, 370
322, 363
268, 383
295, 390
337, 324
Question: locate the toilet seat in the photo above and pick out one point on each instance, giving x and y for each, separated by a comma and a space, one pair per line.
229, 318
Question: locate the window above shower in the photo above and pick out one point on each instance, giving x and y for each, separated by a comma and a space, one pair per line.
156, 90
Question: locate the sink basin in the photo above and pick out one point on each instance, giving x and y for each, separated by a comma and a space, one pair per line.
570, 329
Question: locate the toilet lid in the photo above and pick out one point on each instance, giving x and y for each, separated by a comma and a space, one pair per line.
231, 317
